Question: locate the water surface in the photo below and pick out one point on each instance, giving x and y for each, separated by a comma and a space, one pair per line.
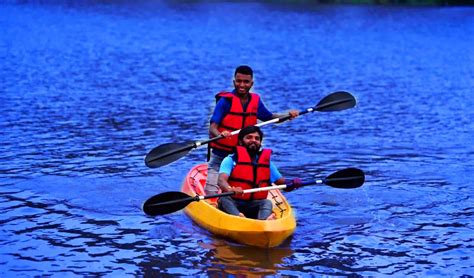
88, 89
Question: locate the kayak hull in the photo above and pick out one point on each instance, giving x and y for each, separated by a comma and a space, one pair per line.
259, 233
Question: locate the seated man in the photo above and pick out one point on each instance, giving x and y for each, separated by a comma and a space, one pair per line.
249, 167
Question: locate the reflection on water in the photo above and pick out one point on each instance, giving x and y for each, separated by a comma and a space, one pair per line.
88, 88
228, 258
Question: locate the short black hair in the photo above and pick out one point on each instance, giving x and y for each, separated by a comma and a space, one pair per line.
250, 129
244, 69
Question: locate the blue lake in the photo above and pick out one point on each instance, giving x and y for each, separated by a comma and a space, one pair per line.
87, 88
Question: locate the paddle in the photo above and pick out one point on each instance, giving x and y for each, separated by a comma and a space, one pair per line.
172, 201
169, 152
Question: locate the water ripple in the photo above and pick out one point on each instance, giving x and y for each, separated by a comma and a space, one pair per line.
88, 88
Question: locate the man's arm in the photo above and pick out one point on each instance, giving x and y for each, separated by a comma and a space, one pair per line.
275, 176
223, 184
293, 114
213, 129
264, 114
222, 109
225, 170
280, 181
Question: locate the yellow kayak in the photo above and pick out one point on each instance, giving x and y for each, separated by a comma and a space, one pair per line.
260, 233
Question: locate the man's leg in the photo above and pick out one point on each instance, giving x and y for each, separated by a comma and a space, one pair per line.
261, 209
227, 204
265, 209
213, 174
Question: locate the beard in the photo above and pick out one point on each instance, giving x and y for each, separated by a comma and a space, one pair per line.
253, 149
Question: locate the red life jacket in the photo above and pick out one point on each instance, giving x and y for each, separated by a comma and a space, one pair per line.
249, 175
236, 119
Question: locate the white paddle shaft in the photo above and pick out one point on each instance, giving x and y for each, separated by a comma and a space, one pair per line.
253, 190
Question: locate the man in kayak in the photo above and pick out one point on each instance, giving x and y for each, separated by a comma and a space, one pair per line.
234, 110
250, 167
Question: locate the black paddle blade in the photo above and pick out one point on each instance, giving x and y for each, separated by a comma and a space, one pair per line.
336, 101
166, 202
347, 178
167, 153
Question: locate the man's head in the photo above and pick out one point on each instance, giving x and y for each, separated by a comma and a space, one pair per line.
244, 69
251, 138
243, 79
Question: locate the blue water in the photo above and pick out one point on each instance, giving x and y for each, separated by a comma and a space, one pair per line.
87, 88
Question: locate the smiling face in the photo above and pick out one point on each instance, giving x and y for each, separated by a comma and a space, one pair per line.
242, 83
252, 142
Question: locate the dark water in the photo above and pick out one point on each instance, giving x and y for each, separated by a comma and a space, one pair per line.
88, 89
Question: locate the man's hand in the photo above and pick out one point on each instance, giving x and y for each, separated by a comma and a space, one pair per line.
238, 190
295, 184
215, 132
294, 113
226, 133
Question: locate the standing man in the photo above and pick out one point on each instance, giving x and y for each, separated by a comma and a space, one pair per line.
250, 167
234, 110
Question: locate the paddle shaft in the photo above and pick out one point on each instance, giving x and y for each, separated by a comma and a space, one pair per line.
253, 190
279, 119
167, 153
230, 193
281, 186
197, 144
169, 202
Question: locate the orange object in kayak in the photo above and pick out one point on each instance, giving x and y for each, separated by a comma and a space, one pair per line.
260, 233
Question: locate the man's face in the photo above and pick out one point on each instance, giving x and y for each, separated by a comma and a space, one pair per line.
252, 142
242, 83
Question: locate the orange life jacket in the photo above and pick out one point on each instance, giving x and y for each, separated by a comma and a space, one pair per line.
236, 119
247, 174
